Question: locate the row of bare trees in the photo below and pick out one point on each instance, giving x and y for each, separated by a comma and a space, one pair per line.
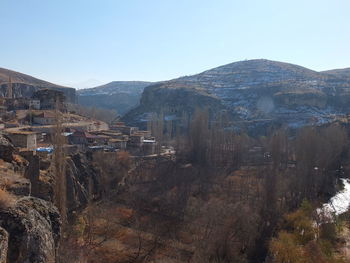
297, 165
223, 196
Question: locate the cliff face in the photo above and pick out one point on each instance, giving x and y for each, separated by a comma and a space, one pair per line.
172, 100
29, 226
82, 180
33, 230
25, 85
29, 222
120, 96
255, 90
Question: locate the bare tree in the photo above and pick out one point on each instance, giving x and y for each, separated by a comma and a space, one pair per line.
59, 164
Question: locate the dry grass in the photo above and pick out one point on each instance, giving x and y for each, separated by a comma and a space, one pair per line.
7, 199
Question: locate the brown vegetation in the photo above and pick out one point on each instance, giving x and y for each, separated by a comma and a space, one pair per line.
6, 199
222, 199
303, 241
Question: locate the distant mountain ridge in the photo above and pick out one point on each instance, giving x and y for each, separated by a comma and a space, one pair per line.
25, 85
120, 96
115, 87
341, 73
251, 90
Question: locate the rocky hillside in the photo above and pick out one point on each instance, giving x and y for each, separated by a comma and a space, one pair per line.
25, 85
343, 73
30, 224
253, 90
120, 96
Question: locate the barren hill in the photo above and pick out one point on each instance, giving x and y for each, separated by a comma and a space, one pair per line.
25, 85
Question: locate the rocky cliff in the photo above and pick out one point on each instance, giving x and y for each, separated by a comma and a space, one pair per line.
29, 222
24, 85
253, 90
29, 226
120, 96
32, 228
173, 100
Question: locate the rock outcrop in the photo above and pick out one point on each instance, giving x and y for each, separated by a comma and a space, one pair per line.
172, 100
29, 226
33, 227
82, 179
6, 149
82, 182
120, 96
24, 85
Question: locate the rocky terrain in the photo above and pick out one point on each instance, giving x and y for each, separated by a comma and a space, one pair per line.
24, 85
29, 226
253, 90
120, 96
30, 223
343, 73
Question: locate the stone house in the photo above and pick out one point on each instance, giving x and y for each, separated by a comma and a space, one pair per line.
118, 143
45, 118
136, 139
23, 139
84, 138
149, 146
125, 129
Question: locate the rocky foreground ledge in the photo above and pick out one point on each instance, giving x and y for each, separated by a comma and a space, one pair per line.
29, 226
30, 231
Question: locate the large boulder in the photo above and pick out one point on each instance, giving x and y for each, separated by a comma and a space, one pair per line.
33, 226
14, 183
6, 149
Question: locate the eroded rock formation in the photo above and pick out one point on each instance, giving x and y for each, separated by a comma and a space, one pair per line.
33, 229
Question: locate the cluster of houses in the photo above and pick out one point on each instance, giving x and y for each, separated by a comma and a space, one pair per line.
37, 109
118, 137
30, 123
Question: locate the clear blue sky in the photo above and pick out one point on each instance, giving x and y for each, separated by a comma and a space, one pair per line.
70, 41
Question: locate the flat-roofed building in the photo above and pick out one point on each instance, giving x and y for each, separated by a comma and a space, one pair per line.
85, 138
23, 139
45, 118
124, 129
118, 143
136, 139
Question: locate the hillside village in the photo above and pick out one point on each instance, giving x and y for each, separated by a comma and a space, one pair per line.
175, 131
61, 169
29, 123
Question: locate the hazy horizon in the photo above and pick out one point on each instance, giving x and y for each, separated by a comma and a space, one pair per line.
90, 43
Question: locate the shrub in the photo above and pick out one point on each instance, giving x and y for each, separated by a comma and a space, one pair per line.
6, 199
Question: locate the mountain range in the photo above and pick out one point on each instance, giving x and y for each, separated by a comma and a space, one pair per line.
257, 90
